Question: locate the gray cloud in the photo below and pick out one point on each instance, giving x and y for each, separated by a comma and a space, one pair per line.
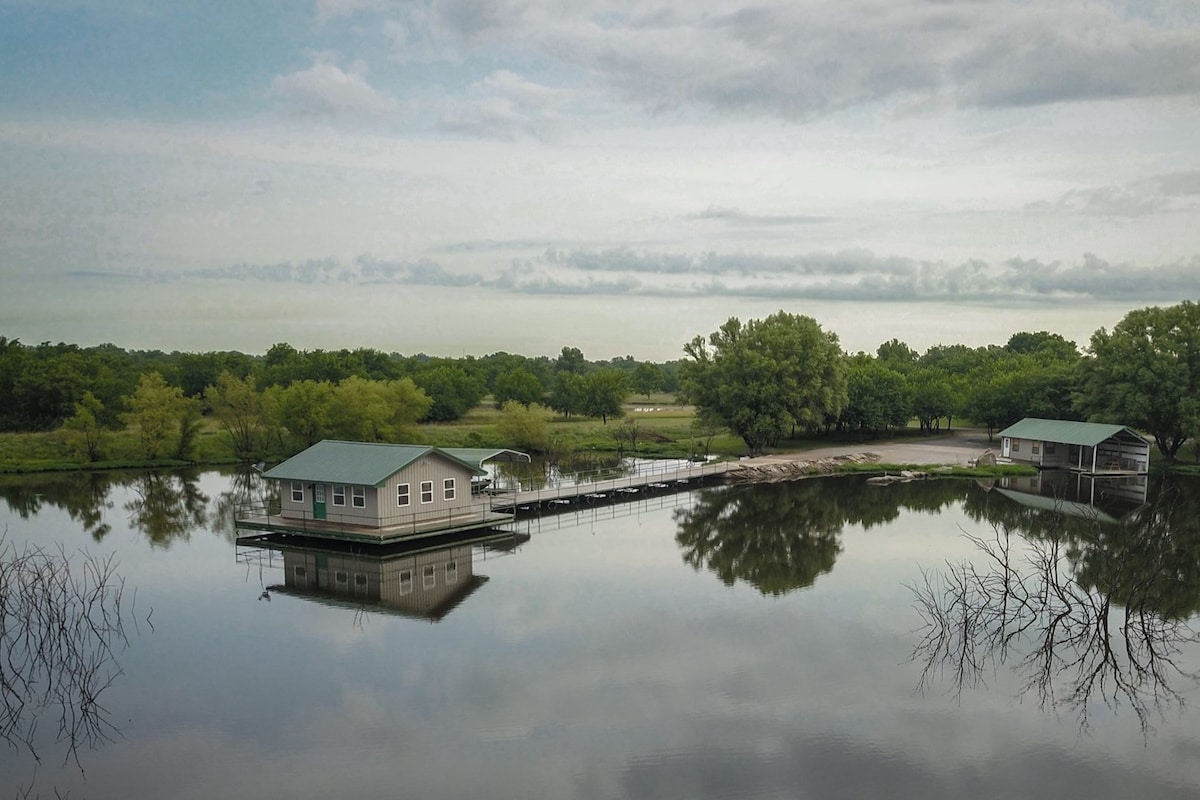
733, 216
1167, 192
848, 275
799, 61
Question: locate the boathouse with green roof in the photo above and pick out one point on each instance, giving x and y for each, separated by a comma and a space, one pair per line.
378, 492
1089, 447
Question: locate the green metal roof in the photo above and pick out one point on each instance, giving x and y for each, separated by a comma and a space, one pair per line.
478, 455
1066, 432
355, 463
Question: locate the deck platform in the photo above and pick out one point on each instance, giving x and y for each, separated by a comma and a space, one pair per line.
252, 526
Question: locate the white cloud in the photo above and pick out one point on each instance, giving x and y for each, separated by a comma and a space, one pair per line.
506, 106
326, 89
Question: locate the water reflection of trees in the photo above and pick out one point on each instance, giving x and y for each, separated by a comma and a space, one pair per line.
166, 506
62, 624
1082, 611
83, 495
781, 537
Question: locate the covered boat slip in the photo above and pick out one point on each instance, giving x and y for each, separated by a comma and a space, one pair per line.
1088, 447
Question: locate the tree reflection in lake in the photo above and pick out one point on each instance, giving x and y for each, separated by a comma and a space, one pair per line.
781, 537
83, 495
247, 489
1084, 611
167, 505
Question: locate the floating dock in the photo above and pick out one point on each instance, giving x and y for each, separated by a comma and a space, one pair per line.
668, 478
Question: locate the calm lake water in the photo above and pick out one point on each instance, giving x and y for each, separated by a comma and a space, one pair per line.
819, 639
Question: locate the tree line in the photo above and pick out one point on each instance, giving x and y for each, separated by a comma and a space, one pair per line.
765, 378
288, 394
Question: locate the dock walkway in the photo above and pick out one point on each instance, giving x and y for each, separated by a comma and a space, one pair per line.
672, 476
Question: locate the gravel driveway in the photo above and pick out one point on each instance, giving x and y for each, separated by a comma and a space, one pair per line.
956, 447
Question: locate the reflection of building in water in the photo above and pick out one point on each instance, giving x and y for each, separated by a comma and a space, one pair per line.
426, 579
1106, 499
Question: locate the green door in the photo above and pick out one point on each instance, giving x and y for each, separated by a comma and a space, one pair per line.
319, 501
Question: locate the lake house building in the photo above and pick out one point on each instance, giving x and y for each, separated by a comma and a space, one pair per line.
378, 492
1089, 447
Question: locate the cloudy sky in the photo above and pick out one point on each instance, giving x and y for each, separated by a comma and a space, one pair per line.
467, 176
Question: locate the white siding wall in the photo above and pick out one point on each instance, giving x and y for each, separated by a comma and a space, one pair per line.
436, 470
381, 506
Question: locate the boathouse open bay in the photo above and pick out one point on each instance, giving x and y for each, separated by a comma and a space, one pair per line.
644, 650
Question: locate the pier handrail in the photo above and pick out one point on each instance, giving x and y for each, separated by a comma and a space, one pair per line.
581, 487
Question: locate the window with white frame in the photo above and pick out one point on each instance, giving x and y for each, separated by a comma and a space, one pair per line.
451, 572
339, 495
1016, 445
448, 488
358, 496
297, 492
428, 577
406, 581
402, 495
340, 576
426, 491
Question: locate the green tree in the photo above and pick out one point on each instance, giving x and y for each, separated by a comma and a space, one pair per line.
604, 390
303, 408
762, 377
648, 378
154, 411
571, 360
877, 397
897, 355
377, 411
238, 406
520, 385
524, 427
568, 395
83, 432
931, 396
1146, 373
452, 391
1046, 346
189, 429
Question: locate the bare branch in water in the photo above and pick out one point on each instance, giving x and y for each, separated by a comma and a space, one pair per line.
1073, 643
62, 626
